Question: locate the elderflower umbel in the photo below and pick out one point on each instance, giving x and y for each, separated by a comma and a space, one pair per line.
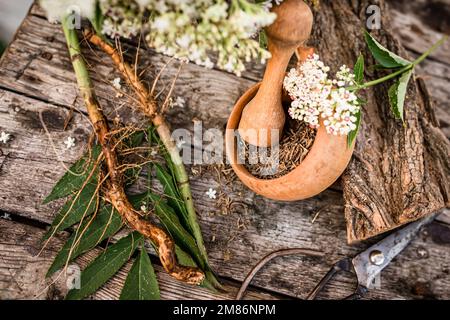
122, 18
314, 95
192, 29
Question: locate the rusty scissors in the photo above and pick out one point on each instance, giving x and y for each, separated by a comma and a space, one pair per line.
366, 266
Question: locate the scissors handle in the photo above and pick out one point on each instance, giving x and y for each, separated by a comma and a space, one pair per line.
342, 265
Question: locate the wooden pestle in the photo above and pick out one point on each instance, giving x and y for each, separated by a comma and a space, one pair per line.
263, 118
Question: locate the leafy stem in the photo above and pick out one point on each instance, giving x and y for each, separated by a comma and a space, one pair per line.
393, 75
402, 76
381, 80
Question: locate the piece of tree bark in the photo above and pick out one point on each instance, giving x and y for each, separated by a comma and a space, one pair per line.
399, 173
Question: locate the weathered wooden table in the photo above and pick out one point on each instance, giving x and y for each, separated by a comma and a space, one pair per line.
36, 77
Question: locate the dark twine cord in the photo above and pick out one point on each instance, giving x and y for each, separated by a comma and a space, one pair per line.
268, 258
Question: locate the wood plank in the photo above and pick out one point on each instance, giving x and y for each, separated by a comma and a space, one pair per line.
409, 25
233, 249
235, 240
22, 271
417, 37
435, 76
27, 62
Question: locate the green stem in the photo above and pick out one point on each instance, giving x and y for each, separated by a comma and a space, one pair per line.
381, 80
79, 66
182, 178
401, 71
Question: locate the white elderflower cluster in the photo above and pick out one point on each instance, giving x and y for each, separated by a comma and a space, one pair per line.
123, 18
193, 29
314, 95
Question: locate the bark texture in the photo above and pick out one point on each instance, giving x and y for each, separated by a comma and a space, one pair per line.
399, 173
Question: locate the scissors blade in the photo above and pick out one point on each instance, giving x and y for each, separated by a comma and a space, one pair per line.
369, 263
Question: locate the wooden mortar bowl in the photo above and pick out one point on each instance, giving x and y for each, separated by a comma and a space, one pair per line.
324, 164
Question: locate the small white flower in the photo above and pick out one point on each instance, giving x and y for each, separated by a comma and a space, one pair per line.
179, 102
116, 83
184, 41
144, 208
70, 142
5, 137
118, 86
211, 193
161, 24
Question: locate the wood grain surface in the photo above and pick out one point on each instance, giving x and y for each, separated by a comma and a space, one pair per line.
239, 227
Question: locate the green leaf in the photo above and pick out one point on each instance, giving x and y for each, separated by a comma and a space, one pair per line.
74, 179
78, 206
170, 220
97, 20
375, 67
358, 70
200, 257
105, 266
384, 57
141, 282
352, 135
173, 195
137, 200
106, 223
186, 260
397, 94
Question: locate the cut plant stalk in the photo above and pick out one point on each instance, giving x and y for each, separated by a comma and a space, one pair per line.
115, 190
148, 106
